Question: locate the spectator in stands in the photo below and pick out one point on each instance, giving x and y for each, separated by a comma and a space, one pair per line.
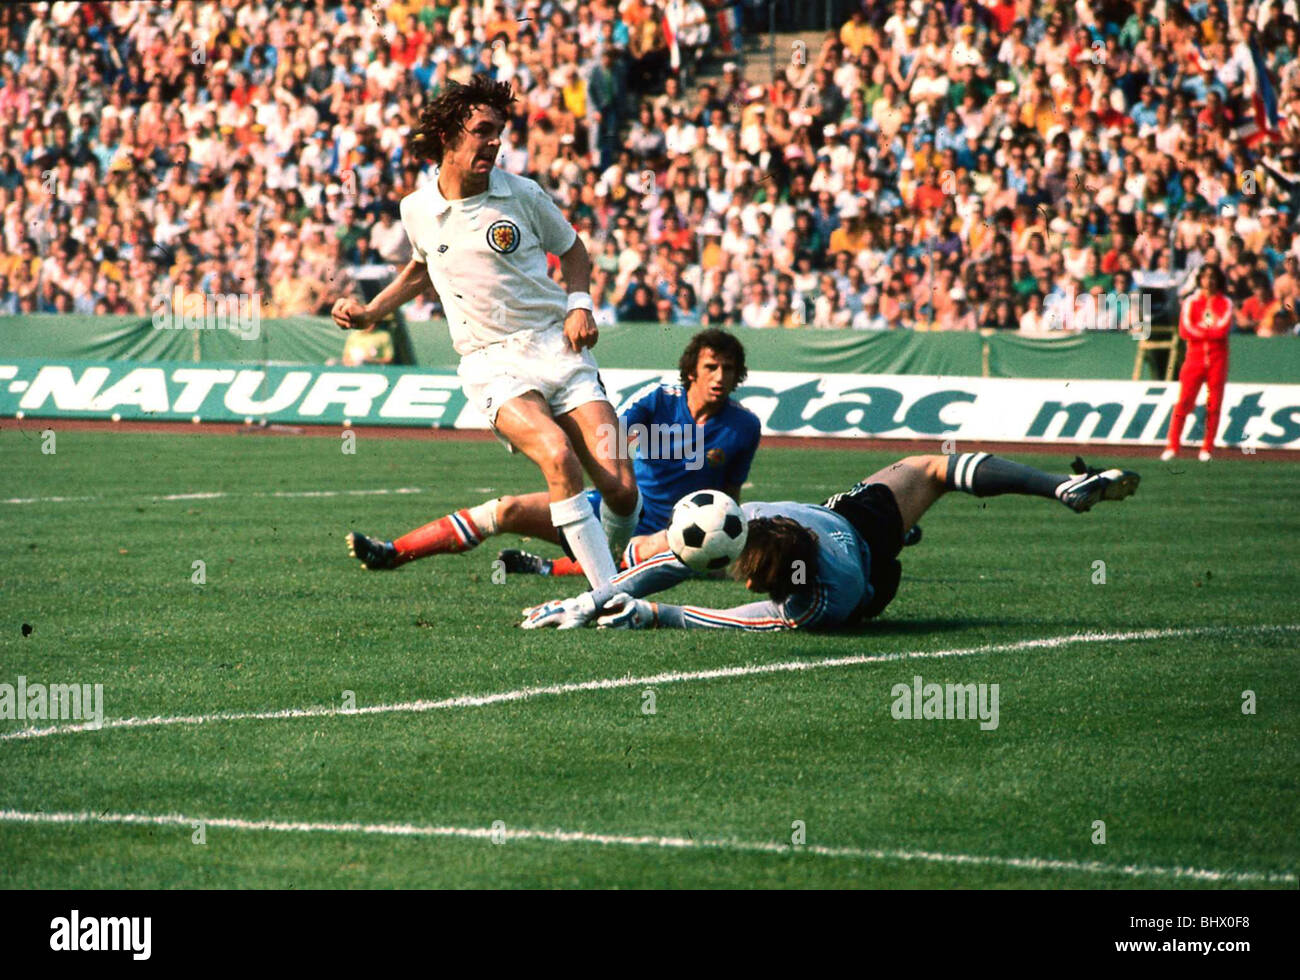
960, 316
685, 312
758, 310
1248, 317
602, 309
1032, 322
638, 305
388, 242
830, 310
715, 314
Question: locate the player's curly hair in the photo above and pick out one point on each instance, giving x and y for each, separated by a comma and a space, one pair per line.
720, 342
780, 556
444, 118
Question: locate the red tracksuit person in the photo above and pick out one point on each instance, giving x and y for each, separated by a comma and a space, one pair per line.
1205, 322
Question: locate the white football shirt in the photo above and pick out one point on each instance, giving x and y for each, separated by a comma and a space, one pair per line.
487, 257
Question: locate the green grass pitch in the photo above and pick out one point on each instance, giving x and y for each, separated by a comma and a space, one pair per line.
1146, 735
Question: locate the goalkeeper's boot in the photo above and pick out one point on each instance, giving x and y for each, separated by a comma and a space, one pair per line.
1080, 493
518, 562
374, 555
913, 536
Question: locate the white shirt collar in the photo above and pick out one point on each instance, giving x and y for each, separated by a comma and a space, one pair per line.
497, 187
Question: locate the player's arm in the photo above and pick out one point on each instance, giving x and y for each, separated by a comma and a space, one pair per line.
558, 237
755, 617
579, 323
802, 610
1186, 328
412, 281
657, 573
1220, 327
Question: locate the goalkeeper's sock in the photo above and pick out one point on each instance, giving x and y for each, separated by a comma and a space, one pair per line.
986, 475
619, 528
457, 532
632, 554
573, 517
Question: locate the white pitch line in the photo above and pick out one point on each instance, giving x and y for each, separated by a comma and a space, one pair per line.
339, 493
613, 683
45, 500
220, 494
672, 843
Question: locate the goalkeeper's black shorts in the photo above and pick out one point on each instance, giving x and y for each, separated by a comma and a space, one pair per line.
874, 514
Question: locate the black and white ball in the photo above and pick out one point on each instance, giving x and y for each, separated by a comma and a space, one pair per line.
707, 530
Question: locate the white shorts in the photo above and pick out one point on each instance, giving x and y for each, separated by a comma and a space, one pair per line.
529, 361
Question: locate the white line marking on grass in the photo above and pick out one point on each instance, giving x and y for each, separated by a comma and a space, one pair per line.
45, 500
613, 683
340, 493
673, 843
220, 494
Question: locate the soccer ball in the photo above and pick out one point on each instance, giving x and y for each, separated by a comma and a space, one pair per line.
707, 530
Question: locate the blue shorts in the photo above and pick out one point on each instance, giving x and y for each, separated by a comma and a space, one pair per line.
648, 524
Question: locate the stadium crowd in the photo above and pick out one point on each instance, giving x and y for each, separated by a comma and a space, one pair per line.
947, 165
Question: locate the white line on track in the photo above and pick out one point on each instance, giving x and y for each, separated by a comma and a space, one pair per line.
673, 843
672, 677
219, 494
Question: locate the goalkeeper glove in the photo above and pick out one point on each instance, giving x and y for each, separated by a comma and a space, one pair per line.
565, 614
622, 612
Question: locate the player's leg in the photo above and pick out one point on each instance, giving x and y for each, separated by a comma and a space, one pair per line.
526, 421
520, 562
1216, 376
986, 475
643, 546
918, 481
1189, 386
639, 548
450, 534
527, 514
593, 429
459, 531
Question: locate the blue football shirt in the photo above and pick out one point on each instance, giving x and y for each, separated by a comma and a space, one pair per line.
673, 456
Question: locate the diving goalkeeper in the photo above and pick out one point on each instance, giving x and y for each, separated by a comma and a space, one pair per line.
830, 565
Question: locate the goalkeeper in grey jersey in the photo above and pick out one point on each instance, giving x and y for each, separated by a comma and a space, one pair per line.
830, 565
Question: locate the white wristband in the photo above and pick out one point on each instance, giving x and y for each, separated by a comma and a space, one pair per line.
579, 301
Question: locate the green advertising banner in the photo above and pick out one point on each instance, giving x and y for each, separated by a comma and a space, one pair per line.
311, 340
